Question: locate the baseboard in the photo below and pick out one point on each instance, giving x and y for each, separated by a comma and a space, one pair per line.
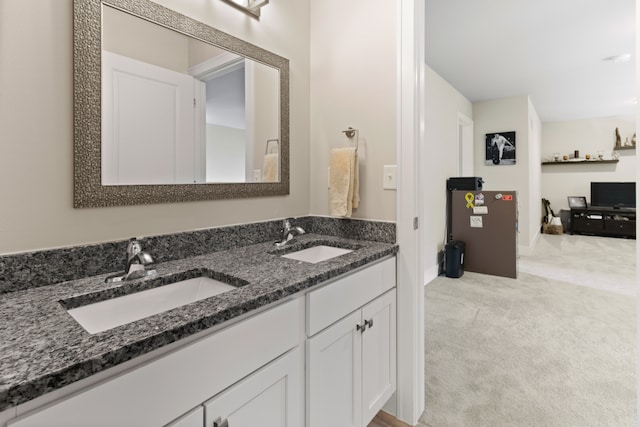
528, 250
390, 420
430, 273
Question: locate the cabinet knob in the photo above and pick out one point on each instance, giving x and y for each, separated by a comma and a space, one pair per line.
361, 328
218, 422
369, 323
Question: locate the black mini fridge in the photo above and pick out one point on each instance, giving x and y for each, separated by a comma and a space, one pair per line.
454, 258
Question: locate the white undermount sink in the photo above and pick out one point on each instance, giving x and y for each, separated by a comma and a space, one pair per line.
317, 254
104, 315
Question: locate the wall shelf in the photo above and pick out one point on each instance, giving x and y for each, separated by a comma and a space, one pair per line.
580, 162
625, 147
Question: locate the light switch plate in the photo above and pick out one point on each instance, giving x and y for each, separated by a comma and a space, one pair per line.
389, 177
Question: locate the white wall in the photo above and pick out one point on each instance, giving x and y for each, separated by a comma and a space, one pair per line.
155, 44
588, 136
503, 115
443, 103
36, 128
534, 204
354, 73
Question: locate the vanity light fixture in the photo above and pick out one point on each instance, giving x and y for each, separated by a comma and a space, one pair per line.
250, 7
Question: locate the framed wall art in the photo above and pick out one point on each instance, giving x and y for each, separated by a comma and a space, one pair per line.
500, 149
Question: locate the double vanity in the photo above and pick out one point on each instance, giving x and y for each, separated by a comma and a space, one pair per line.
302, 334
230, 329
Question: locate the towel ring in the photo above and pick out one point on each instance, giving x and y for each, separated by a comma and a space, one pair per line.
266, 149
350, 133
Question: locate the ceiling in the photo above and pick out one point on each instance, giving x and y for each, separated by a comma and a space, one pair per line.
554, 51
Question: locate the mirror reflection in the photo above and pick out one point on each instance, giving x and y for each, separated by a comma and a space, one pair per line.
176, 110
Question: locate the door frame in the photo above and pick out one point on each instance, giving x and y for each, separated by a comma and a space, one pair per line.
410, 392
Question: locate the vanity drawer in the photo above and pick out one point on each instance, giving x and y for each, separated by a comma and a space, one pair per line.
341, 297
163, 389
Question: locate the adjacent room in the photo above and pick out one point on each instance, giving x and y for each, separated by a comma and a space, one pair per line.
553, 344
243, 213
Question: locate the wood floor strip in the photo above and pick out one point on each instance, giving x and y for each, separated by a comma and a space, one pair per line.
384, 419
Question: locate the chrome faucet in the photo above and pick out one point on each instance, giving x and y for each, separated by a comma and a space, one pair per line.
288, 232
135, 265
136, 257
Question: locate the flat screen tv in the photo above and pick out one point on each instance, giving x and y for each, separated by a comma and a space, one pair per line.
613, 194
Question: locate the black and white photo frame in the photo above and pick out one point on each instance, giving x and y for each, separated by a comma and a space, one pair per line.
500, 149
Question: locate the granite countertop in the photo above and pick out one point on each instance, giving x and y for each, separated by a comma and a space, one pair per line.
43, 348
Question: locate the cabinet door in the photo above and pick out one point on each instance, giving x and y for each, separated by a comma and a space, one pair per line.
271, 397
194, 418
581, 223
378, 354
334, 375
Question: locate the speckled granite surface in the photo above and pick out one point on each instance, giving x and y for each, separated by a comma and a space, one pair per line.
43, 348
376, 231
42, 268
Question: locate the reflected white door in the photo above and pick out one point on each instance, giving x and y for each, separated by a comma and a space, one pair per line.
147, 123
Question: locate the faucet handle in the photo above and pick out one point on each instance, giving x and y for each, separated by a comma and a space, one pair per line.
133, 247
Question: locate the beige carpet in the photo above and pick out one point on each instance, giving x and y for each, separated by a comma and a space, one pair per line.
554, 347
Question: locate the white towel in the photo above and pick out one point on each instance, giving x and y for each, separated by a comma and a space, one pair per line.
270, 168
343, 182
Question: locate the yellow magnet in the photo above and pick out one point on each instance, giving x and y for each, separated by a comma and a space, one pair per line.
469, 198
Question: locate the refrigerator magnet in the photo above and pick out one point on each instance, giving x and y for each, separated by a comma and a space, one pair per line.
480, 210
469, 199
475, 221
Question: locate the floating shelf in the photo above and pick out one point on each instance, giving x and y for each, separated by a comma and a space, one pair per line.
580, 162
630, 147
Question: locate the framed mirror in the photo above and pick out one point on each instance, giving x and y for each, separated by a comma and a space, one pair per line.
168, 109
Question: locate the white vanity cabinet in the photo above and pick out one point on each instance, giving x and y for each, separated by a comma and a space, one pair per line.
194, 418
272, 397
326, 358
351, 364
157, 392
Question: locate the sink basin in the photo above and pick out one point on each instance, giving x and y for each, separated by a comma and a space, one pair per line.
317, 254
107, 314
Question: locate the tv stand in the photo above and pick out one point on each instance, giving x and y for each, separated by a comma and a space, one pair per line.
604, 221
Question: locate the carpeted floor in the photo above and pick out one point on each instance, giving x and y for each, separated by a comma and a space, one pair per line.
554, 347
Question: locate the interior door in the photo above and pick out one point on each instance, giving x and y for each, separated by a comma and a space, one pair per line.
147, 123
378, 354
334, 375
